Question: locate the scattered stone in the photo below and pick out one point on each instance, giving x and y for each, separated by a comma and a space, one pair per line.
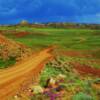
36, 89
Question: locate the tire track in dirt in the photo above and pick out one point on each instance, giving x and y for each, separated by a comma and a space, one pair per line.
12, 78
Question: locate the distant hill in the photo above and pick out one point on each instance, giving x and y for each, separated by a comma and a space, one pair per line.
58, 25
24, 22
62, 25
73, 25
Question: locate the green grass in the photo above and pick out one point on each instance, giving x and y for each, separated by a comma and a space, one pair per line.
72, 80
68, 39
74, 39
79, 39
47, 73
7, 63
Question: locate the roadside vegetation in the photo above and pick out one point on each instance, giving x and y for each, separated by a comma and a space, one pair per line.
75, 70
11, 52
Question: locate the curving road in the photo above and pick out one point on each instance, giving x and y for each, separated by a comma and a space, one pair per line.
12, 78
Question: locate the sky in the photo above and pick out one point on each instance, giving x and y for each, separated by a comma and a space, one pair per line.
41, 11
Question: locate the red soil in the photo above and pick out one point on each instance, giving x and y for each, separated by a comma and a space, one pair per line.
12, 78
3, 40
74, 53
21, 34
86, 70
1, 31
82, 54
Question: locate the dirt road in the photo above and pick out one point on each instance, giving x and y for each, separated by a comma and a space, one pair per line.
12, 78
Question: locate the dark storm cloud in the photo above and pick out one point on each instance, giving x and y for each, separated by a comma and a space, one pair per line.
13, 11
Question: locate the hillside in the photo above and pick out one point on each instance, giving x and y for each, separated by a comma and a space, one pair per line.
73, 73
12, 51
58, 25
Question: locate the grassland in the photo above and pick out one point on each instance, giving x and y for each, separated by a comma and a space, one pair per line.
64, 39
7, 63
79, 39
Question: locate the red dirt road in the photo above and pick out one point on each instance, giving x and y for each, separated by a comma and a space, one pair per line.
12, 78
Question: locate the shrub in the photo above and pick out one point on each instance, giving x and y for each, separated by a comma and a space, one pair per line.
81, 96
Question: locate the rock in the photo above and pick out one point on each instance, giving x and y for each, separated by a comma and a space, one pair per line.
51, 82
61, 76
37, 89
